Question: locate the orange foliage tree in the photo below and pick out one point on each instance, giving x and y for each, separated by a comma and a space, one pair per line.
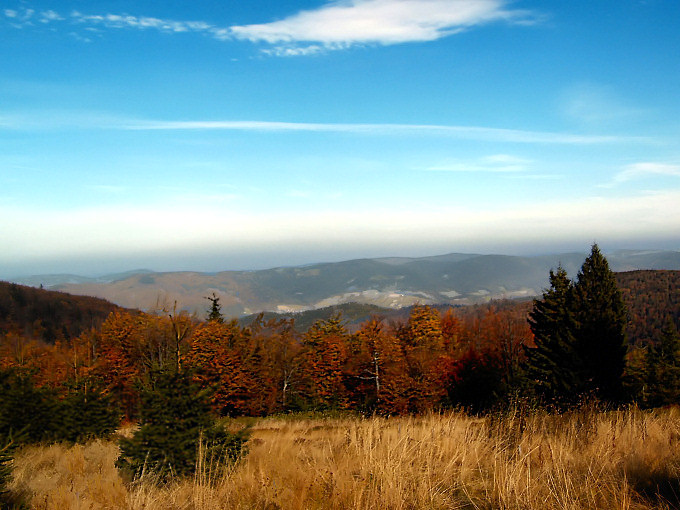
324, 364
130, 345
423, 343
379, 365
217, 363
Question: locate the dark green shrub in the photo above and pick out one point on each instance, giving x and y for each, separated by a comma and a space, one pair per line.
175, 417
86, 413
33, 412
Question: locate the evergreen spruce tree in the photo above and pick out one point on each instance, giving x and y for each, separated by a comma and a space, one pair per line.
662, 374
553, 367
26, 412
600, 331
87, 413
579, 331
215, 310
175, 417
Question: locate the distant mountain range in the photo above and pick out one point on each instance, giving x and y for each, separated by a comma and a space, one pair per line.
387, 282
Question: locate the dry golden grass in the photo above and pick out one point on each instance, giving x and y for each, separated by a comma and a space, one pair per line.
585, 460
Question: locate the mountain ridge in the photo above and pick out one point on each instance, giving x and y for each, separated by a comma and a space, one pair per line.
390, 282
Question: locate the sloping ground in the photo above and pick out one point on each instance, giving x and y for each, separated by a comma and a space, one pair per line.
49, 315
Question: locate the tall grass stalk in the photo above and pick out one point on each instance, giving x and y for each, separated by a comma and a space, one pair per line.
580, 460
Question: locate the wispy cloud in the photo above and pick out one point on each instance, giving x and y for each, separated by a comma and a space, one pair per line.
49, 16
97, 120
591, 103
497, 163
282, 51
141, 22
646, 169
462, 132
20, 18
338, 24
59, 119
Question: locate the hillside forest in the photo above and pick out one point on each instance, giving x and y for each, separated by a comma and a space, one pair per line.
475, 357
72, 369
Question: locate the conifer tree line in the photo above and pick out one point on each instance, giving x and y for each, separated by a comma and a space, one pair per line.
579, 336
160, 369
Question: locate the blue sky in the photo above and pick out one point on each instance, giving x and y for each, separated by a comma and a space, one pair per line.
228, 135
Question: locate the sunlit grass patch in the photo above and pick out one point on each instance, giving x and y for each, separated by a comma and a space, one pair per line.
580, 460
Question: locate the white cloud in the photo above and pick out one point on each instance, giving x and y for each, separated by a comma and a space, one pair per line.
19, 18
49, 16
142, 23
343, 23
280, 51
645, 169
461, 132
339, 24
497, 163
48, 119
98, 120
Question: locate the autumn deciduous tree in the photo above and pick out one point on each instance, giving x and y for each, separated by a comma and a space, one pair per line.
218, 365
121, 361
323, 364
423, 343
377, 363
181, 324
16, 350
285, 350
451, 328
270, 353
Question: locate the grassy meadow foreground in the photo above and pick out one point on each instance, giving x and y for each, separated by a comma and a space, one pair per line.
580, 460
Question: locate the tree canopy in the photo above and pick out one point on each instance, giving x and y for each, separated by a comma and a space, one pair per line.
579, 332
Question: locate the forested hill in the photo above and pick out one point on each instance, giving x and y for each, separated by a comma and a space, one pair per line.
49, 315
455, 279
651, 298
